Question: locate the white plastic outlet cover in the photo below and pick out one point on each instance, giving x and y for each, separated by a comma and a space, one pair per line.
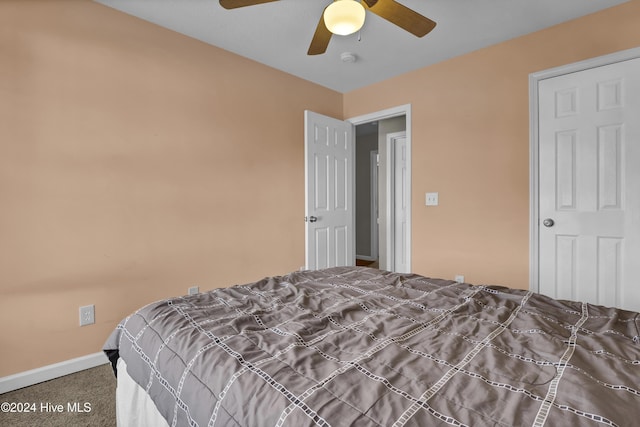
87, 315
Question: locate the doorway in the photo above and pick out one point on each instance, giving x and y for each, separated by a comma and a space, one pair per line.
383, 189
367, 165
330, 190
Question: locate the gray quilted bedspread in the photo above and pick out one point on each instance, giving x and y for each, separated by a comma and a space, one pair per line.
353, 346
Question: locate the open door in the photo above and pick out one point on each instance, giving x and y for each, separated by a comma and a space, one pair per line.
329, 195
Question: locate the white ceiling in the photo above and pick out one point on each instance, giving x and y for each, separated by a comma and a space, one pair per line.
278, 33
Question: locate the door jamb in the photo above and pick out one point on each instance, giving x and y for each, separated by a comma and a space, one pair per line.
402, 110
373, 165
534, 162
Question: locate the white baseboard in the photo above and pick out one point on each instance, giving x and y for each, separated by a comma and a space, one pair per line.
49, 372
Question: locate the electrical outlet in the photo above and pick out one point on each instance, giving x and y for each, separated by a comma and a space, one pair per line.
87, 315
194, 290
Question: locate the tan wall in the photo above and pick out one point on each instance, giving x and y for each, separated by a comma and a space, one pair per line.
471, 144
134, 163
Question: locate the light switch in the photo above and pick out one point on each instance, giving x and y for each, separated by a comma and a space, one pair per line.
431, 199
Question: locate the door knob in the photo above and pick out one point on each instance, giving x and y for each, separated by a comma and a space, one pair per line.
313, 218
548, 222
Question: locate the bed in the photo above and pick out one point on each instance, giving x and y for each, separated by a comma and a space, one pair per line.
355, 346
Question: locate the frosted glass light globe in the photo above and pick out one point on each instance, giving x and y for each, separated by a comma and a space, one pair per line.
344, 17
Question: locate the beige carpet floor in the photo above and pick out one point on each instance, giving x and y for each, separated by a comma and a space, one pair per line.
86, 398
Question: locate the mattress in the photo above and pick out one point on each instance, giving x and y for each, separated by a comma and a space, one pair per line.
354, 346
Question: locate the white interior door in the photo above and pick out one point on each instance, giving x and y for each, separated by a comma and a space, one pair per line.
329, 181
589, 185
400, 193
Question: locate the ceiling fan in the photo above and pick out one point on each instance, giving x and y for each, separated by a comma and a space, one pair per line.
351, 13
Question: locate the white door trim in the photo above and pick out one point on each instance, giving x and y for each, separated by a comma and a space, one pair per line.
534, 79
402, 110
389, 215
373, 159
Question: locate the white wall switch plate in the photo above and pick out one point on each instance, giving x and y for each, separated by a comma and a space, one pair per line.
459, 278
194, 290
431, 199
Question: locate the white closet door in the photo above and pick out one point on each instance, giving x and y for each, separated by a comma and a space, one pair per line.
589, 181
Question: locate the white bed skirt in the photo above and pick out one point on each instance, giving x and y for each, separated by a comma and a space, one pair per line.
134, 407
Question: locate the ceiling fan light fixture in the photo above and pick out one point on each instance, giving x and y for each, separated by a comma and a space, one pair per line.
344, 17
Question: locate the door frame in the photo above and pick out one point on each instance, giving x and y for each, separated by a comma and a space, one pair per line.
373, 179
534, 161
401, 110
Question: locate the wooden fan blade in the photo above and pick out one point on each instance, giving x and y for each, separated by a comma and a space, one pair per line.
233, 4
321, 38
401, 16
